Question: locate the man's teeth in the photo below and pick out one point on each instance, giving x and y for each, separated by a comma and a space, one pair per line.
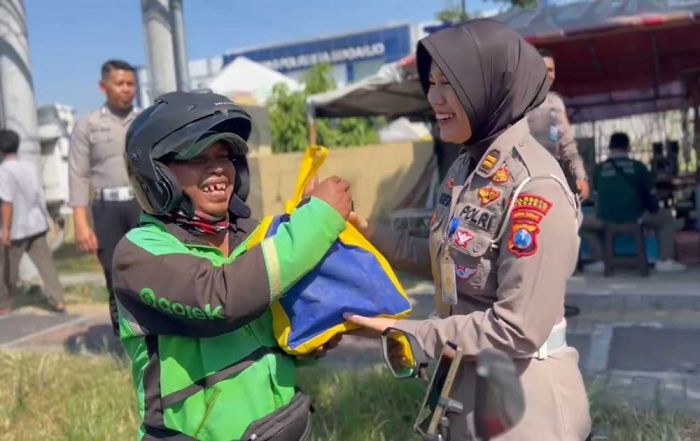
214, 187
443, 116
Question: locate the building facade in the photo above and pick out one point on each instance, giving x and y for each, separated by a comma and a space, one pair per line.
353, 56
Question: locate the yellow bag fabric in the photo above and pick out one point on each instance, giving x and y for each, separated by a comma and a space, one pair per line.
352, 277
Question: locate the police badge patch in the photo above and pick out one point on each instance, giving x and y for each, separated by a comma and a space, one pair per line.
523, 238
528, 212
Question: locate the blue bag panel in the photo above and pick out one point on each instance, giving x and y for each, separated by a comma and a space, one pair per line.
348, 279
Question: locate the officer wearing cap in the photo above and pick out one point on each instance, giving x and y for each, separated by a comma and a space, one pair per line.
550, 126
97, 175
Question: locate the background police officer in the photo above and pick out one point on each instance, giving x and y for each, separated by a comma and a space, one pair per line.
97, 174
550, 127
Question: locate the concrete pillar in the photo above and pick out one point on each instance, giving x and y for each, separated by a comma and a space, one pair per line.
182, 71
17, 105
157, 27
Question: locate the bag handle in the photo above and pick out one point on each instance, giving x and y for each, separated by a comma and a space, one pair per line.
314, 157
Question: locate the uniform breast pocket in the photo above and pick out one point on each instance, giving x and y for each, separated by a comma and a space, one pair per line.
469, 248
438, 217
100, 135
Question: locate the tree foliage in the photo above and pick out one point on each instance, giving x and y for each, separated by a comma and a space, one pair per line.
288, 118
452, 12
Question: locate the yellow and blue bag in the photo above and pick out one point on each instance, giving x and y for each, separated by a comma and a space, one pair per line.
352, 277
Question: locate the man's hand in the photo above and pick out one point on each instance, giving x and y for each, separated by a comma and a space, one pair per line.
584, 191
313, 183
85, 238
334, 192
321, 351
6, 222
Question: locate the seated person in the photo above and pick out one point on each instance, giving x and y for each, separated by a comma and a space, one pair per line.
625, 194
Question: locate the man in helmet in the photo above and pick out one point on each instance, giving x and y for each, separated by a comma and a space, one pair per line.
193, 301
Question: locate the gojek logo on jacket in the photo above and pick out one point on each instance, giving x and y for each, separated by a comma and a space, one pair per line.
206, 313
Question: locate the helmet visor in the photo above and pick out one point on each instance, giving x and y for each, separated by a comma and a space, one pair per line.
236, 144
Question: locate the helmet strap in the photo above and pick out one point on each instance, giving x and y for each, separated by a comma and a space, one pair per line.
237, 208
199, 223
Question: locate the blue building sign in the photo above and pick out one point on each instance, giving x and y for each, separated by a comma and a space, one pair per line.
381, 45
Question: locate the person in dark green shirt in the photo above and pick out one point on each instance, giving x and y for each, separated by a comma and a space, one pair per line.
626, 194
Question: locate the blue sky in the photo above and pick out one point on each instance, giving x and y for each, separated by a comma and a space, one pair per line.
69, 39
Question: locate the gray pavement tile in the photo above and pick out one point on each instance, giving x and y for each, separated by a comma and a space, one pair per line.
692, 389
671, 391
658, 349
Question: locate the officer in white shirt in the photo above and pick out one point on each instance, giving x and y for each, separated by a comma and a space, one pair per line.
97, 172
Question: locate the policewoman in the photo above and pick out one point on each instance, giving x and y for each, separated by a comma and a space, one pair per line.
504, 235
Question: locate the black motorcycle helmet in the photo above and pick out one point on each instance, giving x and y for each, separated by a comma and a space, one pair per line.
179, 126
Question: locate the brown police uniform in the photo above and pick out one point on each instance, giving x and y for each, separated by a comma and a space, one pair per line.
97, 177
550, 126
509, 224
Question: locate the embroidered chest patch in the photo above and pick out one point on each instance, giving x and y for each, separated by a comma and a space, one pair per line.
488, 195
478, 217
501, 176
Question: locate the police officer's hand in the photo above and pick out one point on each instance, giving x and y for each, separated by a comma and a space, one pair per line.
85, 239
335, 192
6, 237
583, 189
371, 326
359, 222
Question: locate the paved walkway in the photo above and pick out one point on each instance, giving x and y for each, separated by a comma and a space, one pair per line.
638, 338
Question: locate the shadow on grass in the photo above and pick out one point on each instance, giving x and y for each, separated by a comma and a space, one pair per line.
97, 339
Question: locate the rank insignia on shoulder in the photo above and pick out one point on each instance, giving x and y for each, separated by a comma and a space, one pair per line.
488, 195
501, 176
489, 161
451, 183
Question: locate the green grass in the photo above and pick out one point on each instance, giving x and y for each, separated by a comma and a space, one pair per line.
69, 260
75, 398
72, 294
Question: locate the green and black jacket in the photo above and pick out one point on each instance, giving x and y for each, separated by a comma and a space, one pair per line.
197, 327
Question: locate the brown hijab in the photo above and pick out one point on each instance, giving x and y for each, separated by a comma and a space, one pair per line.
497, 75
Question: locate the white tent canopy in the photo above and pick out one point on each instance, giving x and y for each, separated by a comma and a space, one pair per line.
393, 91
243, 75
